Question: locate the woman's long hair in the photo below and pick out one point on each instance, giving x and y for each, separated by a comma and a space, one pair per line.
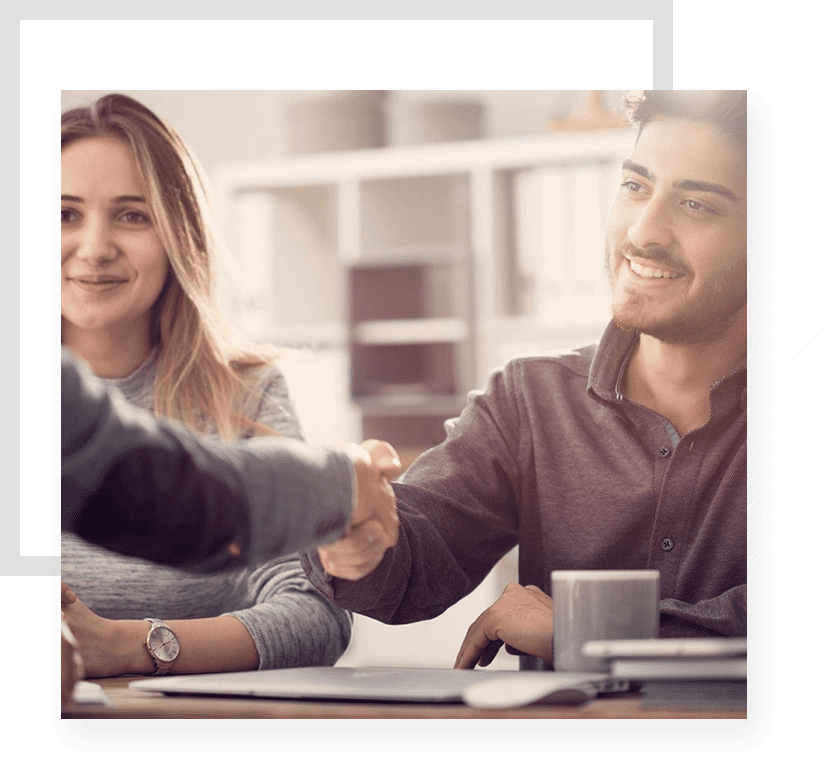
203, 371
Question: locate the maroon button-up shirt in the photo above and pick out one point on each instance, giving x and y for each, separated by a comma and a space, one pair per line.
553, 458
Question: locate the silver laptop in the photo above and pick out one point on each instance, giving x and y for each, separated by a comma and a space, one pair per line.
482, 688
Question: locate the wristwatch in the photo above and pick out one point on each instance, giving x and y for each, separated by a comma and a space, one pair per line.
162, 644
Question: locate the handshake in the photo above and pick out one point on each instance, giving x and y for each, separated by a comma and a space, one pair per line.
374, 522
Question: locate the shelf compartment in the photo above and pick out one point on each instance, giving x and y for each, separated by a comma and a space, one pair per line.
403, 369
406, 291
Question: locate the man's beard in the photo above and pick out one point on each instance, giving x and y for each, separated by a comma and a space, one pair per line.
706, 317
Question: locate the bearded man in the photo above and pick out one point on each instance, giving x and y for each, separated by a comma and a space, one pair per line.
629, 454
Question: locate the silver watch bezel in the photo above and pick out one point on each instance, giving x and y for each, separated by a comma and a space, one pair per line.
162, 665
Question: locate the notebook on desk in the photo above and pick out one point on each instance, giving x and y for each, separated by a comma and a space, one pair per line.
673, 659
680, 673
481, 688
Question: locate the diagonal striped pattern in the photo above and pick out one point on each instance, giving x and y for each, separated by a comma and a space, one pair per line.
789, 460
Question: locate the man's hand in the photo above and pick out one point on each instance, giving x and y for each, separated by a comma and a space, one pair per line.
376, 464
522, 618
374, 522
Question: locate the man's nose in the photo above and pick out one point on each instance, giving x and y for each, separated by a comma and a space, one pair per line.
96, 244
654, 225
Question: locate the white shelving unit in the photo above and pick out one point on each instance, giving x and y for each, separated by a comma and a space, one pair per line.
427, 265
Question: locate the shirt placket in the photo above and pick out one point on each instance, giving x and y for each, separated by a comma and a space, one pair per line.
674, 476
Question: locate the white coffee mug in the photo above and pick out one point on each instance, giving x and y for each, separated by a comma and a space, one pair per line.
601, 604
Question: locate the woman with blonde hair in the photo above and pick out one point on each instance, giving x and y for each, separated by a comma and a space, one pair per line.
200, 378
138, 268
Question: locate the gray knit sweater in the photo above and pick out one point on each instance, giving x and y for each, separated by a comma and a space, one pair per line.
291, 624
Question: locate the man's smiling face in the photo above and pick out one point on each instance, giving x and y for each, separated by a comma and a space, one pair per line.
677, 236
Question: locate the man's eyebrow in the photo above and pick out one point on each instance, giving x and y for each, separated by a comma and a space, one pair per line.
706, 186
697, 186
629, 165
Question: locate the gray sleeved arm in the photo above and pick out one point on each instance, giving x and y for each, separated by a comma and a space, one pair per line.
291, 624
150, 488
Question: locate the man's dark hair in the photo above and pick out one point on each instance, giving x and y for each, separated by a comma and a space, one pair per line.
724, 107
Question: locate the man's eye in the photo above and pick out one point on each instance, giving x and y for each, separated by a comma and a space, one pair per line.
631, 185
698, 207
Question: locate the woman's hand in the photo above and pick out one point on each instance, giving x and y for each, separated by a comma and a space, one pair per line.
117, 647
67, 596
71, 664
108, 647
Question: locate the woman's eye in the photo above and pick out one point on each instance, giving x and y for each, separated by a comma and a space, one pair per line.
132, 216
66, 215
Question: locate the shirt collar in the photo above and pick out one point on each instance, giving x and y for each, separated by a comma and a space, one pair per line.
611, 358
136, 384
609, 362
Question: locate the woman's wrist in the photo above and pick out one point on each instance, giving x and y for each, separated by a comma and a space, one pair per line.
129, 648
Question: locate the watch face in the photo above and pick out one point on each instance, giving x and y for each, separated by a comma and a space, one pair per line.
164, 644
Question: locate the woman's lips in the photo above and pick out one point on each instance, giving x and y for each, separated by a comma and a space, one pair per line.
98, 284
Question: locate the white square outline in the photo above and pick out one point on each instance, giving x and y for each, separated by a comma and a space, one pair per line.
12, 563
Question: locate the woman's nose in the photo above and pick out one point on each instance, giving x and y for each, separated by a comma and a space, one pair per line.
653, 227
95, 243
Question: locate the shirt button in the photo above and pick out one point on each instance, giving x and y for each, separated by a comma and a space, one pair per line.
664, 452
667, 545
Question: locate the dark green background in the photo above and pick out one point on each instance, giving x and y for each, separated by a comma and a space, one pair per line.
773, 50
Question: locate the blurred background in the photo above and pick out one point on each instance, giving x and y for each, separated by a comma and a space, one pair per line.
401, 245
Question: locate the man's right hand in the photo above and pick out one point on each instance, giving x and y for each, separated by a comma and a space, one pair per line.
374, 523
521, 618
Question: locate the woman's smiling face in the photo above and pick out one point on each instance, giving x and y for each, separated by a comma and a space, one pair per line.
113, 264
